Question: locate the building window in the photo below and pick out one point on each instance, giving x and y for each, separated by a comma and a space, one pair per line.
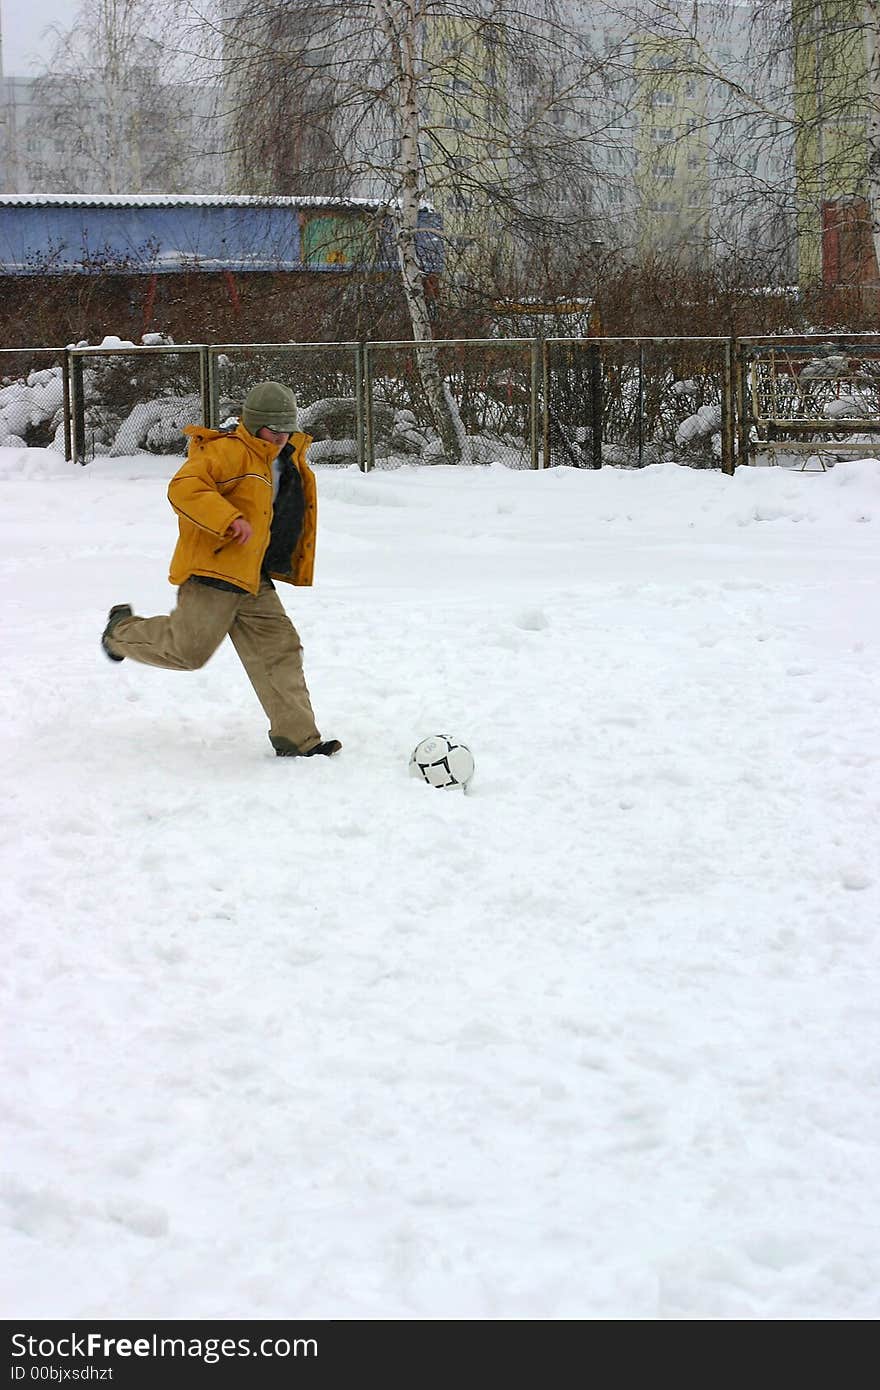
663, 134
665, 171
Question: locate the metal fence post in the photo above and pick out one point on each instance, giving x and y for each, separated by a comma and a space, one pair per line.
535, 395
596, 404
742, 407
359, 390
545, 399
369, 458
728, 414
65, 383
207, 394
641, 405
78, 409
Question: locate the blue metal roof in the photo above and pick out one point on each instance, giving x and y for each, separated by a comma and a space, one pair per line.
158, 233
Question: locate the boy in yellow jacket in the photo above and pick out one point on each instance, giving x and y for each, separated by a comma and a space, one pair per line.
246, 505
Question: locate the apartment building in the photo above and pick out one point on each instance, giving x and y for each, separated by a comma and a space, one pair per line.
58, 136
692, 156
836, 51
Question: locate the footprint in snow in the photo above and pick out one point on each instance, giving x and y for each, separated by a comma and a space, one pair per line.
532, 620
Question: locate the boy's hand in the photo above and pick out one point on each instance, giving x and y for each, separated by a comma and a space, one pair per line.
240, 530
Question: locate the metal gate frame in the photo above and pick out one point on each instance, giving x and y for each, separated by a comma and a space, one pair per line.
593, 347
413, 345
75, 402
770, 430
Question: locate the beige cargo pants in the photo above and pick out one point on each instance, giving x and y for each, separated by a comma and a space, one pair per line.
265, 639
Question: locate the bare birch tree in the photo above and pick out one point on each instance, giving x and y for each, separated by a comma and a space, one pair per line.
398, 20
474, 106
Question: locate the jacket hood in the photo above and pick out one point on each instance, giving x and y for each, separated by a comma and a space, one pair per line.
202, 434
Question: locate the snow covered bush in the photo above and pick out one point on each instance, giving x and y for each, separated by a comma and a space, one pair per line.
139, 402
32, 409
156, 426
699, 436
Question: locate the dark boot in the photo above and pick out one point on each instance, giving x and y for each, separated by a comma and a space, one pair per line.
285, 749
325, 749
116, 614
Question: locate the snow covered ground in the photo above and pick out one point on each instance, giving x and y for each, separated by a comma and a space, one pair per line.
311, 1039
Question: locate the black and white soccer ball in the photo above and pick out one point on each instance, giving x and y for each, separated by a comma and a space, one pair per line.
442, 762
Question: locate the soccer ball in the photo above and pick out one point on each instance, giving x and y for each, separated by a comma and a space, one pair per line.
441, 762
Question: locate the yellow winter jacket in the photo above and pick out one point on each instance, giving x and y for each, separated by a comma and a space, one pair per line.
227, 476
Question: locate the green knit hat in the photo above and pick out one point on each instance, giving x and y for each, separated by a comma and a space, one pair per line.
269, 404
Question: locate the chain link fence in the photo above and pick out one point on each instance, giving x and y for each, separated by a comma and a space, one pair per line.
809, 398
524, 402
490, 391
128, 400
34, 399
636, 401
326, 378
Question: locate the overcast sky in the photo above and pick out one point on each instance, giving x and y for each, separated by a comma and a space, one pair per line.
25, 48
